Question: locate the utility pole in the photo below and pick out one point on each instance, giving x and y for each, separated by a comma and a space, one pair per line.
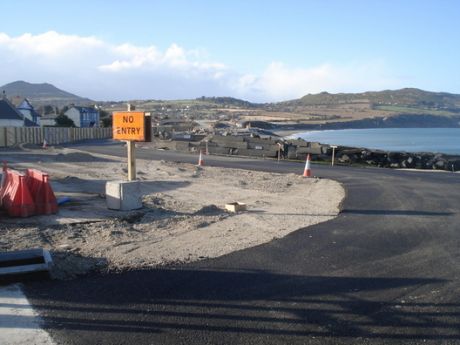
333, 154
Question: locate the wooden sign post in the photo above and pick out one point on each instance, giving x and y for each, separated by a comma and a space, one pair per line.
129, 126
131, 160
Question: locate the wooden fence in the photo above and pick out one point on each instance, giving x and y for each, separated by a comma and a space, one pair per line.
10, 136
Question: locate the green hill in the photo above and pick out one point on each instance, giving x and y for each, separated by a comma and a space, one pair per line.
42, 94
229, 101
408, 97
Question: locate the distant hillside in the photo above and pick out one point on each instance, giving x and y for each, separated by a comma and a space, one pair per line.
228, 101
326, 107
42, 94
408, 97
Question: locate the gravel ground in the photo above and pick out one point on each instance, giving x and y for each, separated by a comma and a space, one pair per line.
183, 218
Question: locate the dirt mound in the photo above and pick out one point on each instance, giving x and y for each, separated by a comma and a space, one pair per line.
76, 157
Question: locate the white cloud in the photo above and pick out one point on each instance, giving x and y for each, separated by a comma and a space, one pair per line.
175, 58
93, 68
279, 82
50, 45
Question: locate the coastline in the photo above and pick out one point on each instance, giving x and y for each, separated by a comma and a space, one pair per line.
398, 121
296, 150
408, 140
287, 132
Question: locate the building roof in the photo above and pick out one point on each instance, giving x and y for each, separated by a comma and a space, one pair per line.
84, 109
29, 123
175, 122
8, 111
25, 104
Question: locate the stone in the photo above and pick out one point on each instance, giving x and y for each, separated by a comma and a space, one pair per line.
123, 195
440, 164
344, 158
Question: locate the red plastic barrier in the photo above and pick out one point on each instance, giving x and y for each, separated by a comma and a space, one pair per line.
3, 181
16, 198
41, 191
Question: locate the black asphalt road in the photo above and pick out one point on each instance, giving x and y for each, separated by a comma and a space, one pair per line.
386, 271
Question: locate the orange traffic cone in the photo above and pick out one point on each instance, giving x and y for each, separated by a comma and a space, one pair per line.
200, 160
45, 144
307, 170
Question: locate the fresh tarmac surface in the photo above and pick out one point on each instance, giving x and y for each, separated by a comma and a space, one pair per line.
386, 271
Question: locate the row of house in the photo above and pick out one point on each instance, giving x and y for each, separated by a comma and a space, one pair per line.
24, 115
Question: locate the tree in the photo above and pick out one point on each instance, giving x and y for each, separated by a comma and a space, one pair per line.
106, 118
64, 109
46, 109
104, 113
63, 121
107, 121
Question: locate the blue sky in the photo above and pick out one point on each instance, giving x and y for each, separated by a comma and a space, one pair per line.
255, 50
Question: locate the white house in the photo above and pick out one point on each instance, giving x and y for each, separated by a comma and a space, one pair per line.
83, 116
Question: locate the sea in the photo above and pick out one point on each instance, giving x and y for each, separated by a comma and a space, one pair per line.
439, 140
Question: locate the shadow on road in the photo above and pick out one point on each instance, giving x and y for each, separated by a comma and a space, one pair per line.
240, 307
396, 213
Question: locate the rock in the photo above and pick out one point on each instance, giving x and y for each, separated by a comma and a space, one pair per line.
64, 247
365, 154
408, 163
454, 165
440, 164
344, 159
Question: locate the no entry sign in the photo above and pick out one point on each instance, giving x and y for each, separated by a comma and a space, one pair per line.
129, 125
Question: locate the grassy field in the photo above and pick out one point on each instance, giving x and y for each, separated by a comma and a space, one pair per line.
413, 110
